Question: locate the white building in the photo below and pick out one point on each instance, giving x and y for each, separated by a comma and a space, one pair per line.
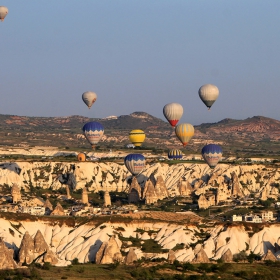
267, 216
34, 210
252, 219
236, 218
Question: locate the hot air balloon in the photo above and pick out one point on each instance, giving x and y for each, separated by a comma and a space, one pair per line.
173, 113
208, 94
137, 137
135, 163
81, 157
89, 98
184, 132
212, 153
3, 12
175, 154
93, 132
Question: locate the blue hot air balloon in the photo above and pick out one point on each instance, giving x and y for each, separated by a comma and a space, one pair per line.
135, 163
212, 153
175, 154
93, 132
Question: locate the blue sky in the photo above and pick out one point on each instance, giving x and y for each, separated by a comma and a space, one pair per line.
139, 55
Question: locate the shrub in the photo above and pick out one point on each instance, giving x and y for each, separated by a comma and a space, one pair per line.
46, 266
240, 257
75, 261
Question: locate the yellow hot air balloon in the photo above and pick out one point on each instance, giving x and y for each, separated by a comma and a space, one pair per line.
137, 137
184, 132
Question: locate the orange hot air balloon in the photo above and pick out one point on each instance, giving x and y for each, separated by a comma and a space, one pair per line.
81, 157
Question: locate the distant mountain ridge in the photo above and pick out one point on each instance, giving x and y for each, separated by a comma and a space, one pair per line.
67, 131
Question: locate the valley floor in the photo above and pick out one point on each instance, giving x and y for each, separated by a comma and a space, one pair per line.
163, 271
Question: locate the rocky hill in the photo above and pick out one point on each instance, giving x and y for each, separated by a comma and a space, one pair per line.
254, 136
59, 242
224, 185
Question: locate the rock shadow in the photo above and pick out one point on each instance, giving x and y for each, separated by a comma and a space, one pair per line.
268, 246
93, 250
12, 166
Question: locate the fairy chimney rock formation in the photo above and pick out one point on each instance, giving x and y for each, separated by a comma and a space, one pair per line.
50, 257
58, 210
85, 196
109, 252
171, 256
203, 203
40, 245
149, 193
48, 204
6, 257
100, 253
15, 191
68, 192
131, 257
201, 257
227, 256
160, 188
26, 249
134, 193
107, 199
184, 188
236, 188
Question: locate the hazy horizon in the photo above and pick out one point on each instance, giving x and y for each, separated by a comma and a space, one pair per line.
139, 56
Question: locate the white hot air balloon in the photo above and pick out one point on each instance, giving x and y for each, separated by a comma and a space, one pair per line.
173, 113
89, 98
3, 12
208, 94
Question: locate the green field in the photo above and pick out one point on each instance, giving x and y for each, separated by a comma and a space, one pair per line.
149, 271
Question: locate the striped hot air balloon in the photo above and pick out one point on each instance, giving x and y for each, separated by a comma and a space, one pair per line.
137, 137
134, 163
173, 113
89, 98
208, 94
93, 132
3, 12
184, 132
212, 154
175, 154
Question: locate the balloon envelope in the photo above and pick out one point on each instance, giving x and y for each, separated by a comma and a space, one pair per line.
135, 163
212, 154
93, 132
184, 132
89, 98
3, 12
175, 154
81, 157
137, 137
208, 94
173, 113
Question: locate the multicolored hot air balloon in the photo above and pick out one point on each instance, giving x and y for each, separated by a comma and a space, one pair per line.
184, 132
135, 163
208, 94
89, 98
212, 154
175, 154
3, 12
137, 137
93, 132
173, 113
